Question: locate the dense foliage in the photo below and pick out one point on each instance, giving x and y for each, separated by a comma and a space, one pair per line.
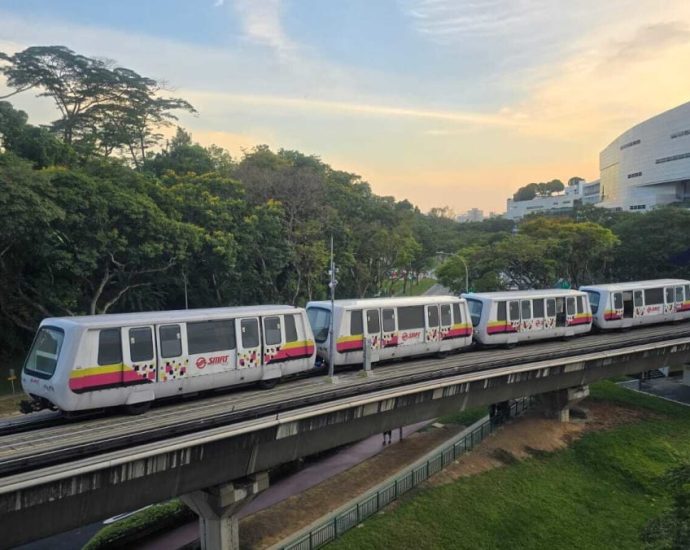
99, 217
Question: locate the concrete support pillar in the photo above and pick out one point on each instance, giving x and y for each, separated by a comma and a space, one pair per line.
557, 404
686, 375
217, 509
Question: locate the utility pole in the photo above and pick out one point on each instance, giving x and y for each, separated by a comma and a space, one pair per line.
331, 334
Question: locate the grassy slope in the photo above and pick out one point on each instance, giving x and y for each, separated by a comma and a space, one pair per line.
598, 493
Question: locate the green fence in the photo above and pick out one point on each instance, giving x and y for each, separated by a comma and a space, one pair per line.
340, 522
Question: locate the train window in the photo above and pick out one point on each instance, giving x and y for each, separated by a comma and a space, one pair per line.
45, 350
410, 317
570, 306
617, 301
356, 327
551, 308
210, 336
637, 298
171, 341
594, 298
140, 344
457, 316
679, 294
250, 333
476, 307
109, 346
290, 328
272, 333
538, 308
687, 292
445, 315
580, 304
501, 311
653, 296
320, 321
373, 321
514, 310
526, 309
432, 315
669, 295
388, 320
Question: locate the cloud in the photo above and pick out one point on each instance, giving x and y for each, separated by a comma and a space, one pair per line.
262, 24
218, 3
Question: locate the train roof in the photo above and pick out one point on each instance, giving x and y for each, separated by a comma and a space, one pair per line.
383, 302
520, 294
632, 285
173, 316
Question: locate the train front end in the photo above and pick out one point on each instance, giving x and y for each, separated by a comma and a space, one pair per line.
44, 369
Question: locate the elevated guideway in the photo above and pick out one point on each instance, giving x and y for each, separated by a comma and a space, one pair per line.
83, 471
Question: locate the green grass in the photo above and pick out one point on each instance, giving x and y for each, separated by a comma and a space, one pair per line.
466, 417
598, 493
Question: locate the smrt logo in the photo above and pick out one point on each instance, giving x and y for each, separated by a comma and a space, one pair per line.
201, 362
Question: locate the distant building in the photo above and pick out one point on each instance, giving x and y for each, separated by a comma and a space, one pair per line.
579, 192
472, 215
649, 164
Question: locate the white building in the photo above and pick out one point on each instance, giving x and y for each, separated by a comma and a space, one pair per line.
580, 192
649, 164
472, 215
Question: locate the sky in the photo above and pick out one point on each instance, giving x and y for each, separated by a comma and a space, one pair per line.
442, 102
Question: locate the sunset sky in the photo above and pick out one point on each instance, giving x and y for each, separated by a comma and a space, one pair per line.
443, 102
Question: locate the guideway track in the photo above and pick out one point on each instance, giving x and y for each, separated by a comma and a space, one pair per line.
46, 446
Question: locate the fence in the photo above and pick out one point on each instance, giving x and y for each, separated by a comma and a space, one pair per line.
343, 520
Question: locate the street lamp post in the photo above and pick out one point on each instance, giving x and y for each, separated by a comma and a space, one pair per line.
332, 283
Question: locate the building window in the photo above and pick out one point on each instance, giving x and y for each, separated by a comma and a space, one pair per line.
680, 134
638, 207
674, 157
630, 144
634, 175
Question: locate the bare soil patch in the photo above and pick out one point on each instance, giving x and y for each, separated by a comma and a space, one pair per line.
532, 436
9, 405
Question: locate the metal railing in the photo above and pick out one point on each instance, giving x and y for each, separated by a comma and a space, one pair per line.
341, 521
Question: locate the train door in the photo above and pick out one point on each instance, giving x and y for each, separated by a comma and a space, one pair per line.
628, 307
139, 357
514, 316
679, 298
560, 312
550, 318
274, 340
570, 310
670, 296
389, 334
617, 304
373, 332
432, 324
526, 314
171, 365
248, 343
638, 302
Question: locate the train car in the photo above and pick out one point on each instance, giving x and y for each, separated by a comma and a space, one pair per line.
623, 305
506, 318
396, 327
130, 359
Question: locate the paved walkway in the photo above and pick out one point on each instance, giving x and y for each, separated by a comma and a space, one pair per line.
670, 388
297, 483
438, 290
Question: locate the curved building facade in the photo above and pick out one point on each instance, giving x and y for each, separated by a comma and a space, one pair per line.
648, 165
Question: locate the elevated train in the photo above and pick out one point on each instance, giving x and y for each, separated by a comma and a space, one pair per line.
101, 361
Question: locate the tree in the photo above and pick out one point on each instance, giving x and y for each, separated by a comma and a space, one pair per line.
544, 189
103, 107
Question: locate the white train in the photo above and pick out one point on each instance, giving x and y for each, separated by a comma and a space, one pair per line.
396, 327
506, 318
623, 305
92, 362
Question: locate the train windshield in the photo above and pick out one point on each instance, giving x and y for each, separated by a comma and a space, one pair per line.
593, 300
475, 310
44, 353
320, 321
